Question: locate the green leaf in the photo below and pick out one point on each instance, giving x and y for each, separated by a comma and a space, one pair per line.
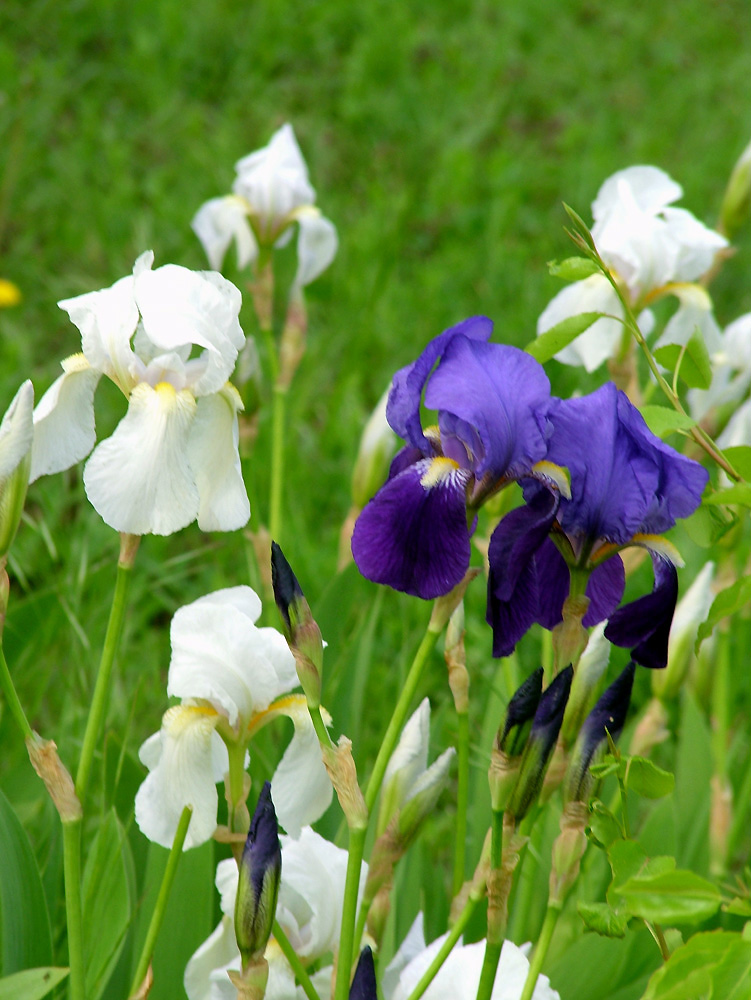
727, 602
107, 902
664, 420
604, 826
628, 860
25, 941
739, 493
31, 984
603, 920
692, 361
559, 336
573, 268
739, 905
707, 525
690, 971
740, 458
647, 779
671, 897
731, 977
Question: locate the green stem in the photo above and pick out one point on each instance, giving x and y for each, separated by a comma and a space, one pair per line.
320, 726
294, 960
541, 950
104, 676
454, 934
494, 940
400, 714
277, 462
462, 801
349, 912
11, 697
157, 916
74, 909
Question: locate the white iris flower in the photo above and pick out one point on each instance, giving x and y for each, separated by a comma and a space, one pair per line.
648, 245
309, 910
173, 457
233, 678
271, 193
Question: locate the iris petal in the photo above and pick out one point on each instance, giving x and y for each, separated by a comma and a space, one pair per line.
413, 534
644, 624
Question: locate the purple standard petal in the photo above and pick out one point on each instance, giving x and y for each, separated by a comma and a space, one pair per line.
492, 402
681, 480
403, 409
644, 624
413, 534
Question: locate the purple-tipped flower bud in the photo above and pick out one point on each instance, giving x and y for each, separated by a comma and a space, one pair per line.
364, 982
608, 716
540, 744
258, 881
300, 628
514, 731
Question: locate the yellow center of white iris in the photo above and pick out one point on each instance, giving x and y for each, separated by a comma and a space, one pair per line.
439, 470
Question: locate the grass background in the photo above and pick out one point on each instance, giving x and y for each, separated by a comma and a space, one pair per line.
442, 139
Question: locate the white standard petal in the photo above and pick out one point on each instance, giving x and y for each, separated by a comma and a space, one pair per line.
600, 341
316, 245
694, 313
64, 431
179, 307
183, 759
651, 188
215, 459
311, 891
140, 480
697, 244
220, 656
220, 221
107, 320
412, 945
274, 180
300, 785
16, 430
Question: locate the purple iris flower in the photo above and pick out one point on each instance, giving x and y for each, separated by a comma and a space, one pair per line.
492, 401
627, 487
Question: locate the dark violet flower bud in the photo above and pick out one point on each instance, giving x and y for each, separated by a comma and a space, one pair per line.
540, 744
258, 881
300, 628
364, 982
512, 736
608, 716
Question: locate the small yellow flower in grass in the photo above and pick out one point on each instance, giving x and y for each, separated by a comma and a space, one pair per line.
10, 294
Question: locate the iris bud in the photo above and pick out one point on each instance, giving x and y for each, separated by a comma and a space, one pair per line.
258, 881
736, 204
364, 982
511, 739
300, 628
540, 745
607, 717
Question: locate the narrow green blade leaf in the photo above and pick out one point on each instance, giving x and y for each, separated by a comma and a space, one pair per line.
31, 984
25, 941
559, 336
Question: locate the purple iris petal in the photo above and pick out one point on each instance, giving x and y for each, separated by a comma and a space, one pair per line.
553, 585
403, 409
624, 480
604, 589
644, 624
413, 534
494, 399
511, 619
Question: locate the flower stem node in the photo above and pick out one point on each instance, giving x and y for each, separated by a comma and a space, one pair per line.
251, 983
260, 872
340, 765
47, 764
568, 851
570, 637
456, 660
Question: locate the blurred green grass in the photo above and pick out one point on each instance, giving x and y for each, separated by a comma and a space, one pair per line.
442, 139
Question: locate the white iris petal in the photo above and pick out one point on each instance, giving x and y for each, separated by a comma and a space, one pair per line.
214, 455
64, 431
301, 786
140, 480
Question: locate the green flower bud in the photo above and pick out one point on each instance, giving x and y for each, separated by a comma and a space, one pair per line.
258, 882
736, 204
300, 628
511, 740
